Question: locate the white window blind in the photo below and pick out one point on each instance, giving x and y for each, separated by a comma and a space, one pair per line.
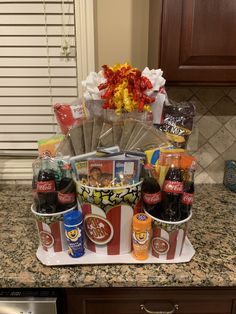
33, 75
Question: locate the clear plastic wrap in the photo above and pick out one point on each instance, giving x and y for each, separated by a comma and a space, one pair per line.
88, 131
129, 125
148, 137
177, 122
77, 139
97, 128
117, 127
65, 148
53, 187
106, 135
69, 115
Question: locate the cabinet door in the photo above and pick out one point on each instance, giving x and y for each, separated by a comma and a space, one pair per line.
149, 300
198, 41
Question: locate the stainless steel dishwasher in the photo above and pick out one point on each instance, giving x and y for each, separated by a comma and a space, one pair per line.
28, 302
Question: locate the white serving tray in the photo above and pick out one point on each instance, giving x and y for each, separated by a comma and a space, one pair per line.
62, 258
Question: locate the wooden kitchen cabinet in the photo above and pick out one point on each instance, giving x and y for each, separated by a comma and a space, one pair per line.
197, 42
164, 300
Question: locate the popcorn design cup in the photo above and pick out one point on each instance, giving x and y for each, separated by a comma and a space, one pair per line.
108, 214
51, 230
168, 238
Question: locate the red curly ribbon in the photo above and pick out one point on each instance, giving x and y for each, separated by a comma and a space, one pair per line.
137, 85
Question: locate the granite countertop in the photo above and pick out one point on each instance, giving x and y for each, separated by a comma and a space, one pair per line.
212, 231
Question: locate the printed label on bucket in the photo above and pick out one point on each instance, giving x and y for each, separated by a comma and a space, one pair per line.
46, 238
160, 245
119, 220
52, 236
167, 245
98, 229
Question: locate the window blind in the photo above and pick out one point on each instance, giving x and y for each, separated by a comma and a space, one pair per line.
34, 74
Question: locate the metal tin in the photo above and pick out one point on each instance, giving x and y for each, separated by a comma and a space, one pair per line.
230, 175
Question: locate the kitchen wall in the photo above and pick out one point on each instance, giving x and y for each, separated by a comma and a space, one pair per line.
121, 31
214, 137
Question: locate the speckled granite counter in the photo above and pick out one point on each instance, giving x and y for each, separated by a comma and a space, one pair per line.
212, 232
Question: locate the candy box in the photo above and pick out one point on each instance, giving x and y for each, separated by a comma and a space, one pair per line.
108, 216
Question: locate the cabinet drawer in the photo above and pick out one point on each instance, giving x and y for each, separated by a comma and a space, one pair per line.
122, 306
150, 300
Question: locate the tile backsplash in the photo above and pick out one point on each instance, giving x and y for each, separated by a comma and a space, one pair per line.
214, 136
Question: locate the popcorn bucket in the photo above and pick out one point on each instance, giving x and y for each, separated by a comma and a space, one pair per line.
108, 214
51, 230
168, 238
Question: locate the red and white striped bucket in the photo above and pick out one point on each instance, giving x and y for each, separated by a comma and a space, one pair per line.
108, 217
168, 238
51, 230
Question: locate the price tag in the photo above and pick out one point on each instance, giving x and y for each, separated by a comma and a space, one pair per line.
77, 111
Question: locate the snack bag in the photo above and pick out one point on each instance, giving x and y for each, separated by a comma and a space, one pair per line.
48, 147
177, 122
152, 155
69, 115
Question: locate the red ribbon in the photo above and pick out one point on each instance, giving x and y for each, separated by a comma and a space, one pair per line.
137, 85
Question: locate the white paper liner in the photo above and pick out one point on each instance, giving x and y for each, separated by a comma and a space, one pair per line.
62, 258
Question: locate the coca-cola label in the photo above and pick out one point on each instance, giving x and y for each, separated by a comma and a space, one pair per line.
153, 198
187, 198
66, 198
173, 187
46, 186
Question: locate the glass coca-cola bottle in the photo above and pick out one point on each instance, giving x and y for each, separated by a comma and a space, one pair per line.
66, 197
188, 192
36, 168
151, 193
46, 189
172, 191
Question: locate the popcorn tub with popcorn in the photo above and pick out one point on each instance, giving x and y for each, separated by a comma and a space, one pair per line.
108, 214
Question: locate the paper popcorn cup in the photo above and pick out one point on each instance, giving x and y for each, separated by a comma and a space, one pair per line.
51, 230
168, 238
108, 216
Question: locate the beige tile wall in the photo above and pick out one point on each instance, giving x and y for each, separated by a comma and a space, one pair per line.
214, 136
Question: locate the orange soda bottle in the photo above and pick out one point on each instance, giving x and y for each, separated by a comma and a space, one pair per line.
141, 235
